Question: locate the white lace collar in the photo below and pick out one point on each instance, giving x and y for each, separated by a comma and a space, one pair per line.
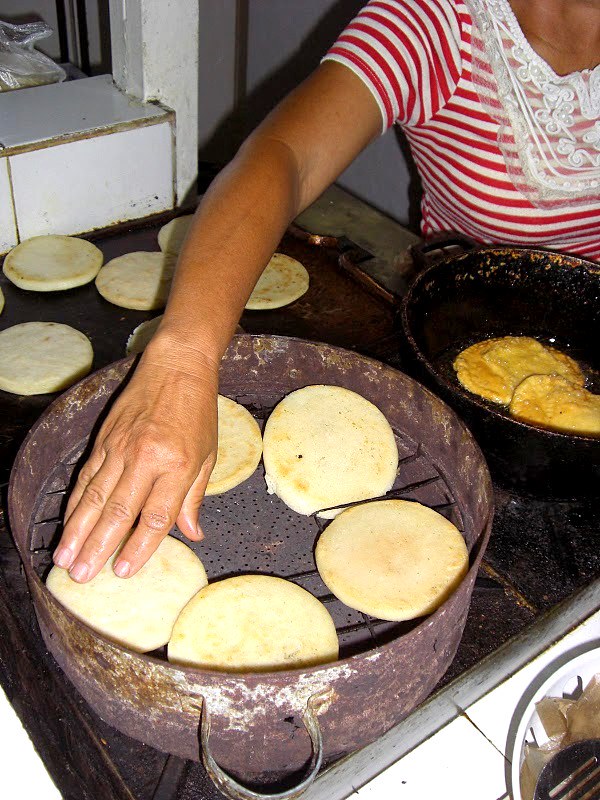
549, 124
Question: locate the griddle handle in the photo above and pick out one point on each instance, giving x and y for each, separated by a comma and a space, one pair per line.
438, 247
237, 791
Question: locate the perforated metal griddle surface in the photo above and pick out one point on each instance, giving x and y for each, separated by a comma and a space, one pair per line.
251, 531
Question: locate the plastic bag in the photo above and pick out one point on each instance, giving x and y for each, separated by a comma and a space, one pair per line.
22, 66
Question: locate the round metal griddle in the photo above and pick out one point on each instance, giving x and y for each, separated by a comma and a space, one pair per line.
385, 669
500, 291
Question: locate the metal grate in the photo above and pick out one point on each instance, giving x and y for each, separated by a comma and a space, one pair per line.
249, 531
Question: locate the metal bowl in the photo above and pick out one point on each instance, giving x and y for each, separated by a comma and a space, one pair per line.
385, 669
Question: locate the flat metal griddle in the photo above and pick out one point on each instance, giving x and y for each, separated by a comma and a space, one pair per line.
333, 309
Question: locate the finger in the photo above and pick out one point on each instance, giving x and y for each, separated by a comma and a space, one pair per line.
157, 517
112, 525
87, 512
187, 519
86, 473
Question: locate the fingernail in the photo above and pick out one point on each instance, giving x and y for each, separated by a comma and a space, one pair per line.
79, 572
122, 569
63, 557
200, 533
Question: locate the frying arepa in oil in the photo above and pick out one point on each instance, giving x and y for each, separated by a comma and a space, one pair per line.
553, 402
494, 368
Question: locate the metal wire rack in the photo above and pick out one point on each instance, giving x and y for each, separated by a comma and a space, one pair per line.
250, 531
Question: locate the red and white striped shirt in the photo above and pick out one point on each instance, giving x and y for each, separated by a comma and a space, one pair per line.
415, 56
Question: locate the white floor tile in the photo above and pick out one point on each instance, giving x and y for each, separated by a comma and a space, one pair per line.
458, 763
91, 183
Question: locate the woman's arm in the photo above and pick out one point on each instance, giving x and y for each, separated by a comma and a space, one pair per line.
154, 453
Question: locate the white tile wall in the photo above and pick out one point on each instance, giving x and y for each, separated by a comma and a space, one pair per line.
8, 228
90, 183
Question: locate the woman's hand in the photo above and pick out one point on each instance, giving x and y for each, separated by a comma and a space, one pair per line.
151, 459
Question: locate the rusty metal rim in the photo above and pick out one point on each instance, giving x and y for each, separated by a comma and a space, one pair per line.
252, 708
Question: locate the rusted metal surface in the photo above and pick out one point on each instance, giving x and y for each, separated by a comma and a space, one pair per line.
500, 292
256, 718
351, 257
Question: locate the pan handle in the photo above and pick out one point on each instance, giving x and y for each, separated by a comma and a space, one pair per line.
440, 246
237, 791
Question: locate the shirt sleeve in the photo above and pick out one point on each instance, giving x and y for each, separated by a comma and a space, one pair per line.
408, 54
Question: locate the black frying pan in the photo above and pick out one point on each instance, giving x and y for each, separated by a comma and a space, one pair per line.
491, 292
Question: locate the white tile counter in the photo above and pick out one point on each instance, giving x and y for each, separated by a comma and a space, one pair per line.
81, 155
68, 110
457, 762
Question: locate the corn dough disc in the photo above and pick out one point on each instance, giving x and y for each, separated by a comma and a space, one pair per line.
137, 612
1, 300
324, 446
52, 263
495, 367
393, 559
556, 403
172, 235
141, 335
139, 280
283, 280
253, 623
42, 357
239, 447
